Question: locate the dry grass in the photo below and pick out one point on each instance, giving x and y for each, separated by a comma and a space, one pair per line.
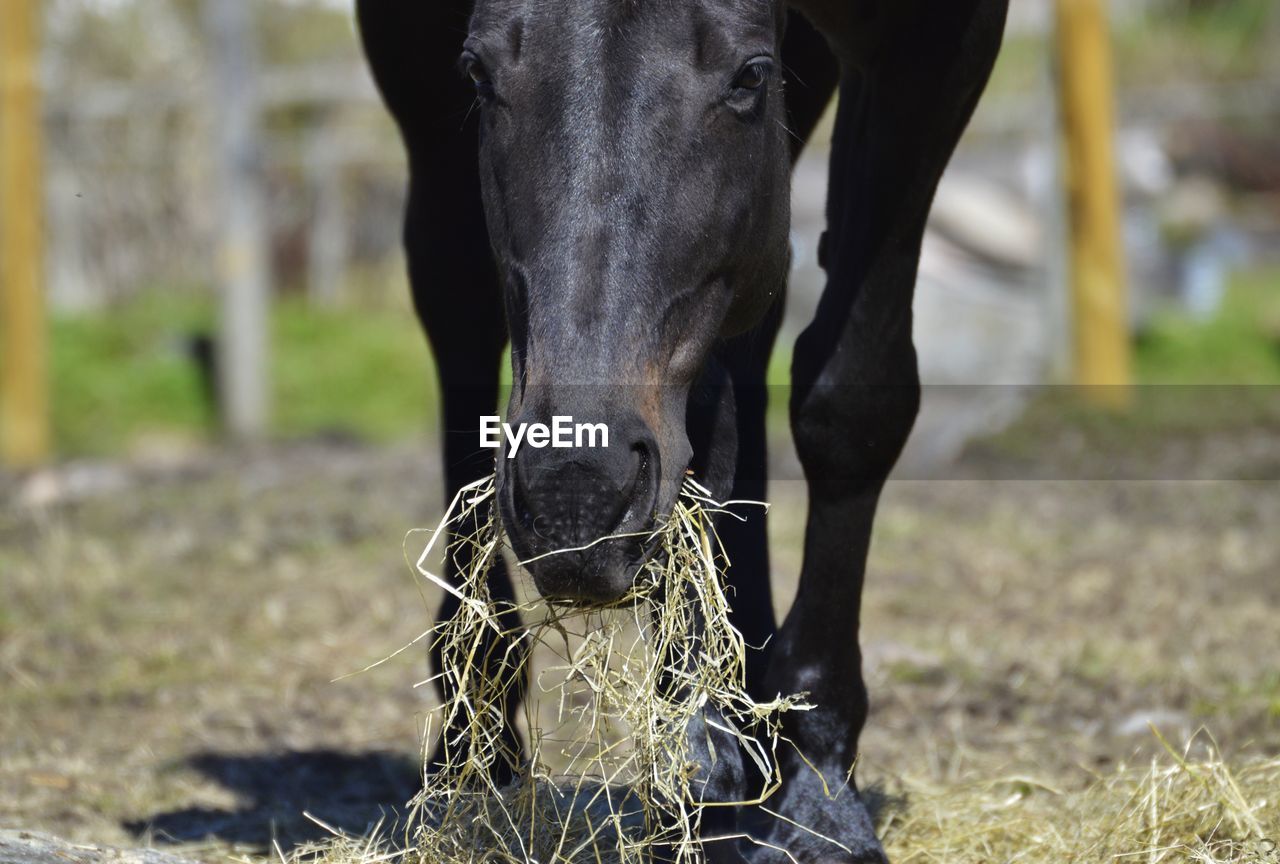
1177, 808
617, 778
167, 654
624, 792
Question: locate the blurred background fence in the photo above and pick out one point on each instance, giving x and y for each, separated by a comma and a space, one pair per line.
129, 110
131, 143
131, 189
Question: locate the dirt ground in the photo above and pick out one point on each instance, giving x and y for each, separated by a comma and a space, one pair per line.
170, 633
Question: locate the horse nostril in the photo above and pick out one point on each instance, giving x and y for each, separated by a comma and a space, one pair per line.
643, 484
524, 510
642, 457
561, 499
582, 520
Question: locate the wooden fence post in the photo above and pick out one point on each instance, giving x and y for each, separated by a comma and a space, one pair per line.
24, 395
1101, 350
243, 278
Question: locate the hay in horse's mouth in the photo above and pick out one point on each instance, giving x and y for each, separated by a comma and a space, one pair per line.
612, 779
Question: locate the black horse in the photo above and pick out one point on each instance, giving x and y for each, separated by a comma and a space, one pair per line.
605, 184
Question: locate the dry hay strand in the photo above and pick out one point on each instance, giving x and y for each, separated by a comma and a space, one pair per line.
1175, 809
612, 782
614, 779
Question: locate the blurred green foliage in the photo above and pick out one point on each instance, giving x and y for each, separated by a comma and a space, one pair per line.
1240, 344
126, 375
123, 372
1195, 380
1172, 41
367, 371
1197, 41
129, 39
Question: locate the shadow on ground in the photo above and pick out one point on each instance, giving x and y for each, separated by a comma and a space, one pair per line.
881, 803
351, 792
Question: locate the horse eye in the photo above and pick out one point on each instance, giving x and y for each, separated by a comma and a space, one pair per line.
479, 76
753, 76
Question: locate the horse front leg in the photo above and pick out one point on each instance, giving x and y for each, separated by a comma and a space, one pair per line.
412, 50
912, 75
467, 335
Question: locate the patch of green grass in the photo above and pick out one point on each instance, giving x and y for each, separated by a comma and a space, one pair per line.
907, 672
1177, 40
1209, 39
124, 374
364, 371
1194, 377
1239, 345
1257, 695
1020, 66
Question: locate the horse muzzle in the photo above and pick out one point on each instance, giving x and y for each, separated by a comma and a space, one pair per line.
581, 519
